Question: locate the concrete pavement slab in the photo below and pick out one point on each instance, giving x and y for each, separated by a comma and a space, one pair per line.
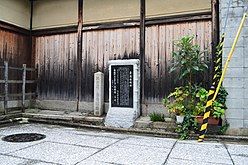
7, 147
131, 154
9, 160
201, 153
96, 141
56, 153
89, 162
173, 161
238, 150
149, 141
64, 137
240, 160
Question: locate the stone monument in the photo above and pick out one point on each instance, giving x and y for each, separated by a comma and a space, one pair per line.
124, 93
98, 93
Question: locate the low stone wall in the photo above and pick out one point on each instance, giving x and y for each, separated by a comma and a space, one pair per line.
15, 104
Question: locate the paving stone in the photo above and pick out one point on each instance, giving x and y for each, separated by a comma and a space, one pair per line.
89, 162
56, 153
238, 150
18, 129
131, 154
149, 141
96, 141
114, 135
9, 160
240, 160
201, 152
172, 161
7, 147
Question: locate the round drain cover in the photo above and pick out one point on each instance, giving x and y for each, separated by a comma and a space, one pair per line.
24, 137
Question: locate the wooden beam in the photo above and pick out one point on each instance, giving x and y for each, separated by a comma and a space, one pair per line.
125, 24
13, 28
215, 24
79, 51
215, 33
57, 30
142, 49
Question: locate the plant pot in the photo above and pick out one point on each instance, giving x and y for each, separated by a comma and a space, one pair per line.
211, 120
179, 119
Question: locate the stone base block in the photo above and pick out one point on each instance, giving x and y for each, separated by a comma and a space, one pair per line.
120, 117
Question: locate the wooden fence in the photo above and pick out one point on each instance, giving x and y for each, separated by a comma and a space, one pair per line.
7, 82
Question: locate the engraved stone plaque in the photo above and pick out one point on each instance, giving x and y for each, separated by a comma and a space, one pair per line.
124, 93
122, 86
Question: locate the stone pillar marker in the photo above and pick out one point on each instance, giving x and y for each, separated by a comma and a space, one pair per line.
124, 93
98, 93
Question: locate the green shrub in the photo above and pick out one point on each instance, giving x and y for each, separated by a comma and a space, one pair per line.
156, 117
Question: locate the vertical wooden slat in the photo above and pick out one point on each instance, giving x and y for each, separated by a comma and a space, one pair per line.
142, 48
79, 50
23, 87
6, 97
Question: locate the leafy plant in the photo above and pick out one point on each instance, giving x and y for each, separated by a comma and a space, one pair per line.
221, 97
188, 59
187, 98
224, 128
189, 124
156, 117
218, 110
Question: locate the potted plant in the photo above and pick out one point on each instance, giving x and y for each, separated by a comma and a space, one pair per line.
189, 64
176, 103
218, 108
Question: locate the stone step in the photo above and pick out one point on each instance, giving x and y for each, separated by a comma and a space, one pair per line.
75, 117
146, 123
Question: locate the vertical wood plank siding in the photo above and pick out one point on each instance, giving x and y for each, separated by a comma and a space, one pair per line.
14, 48
57, 65
101, 46
56, 58
160, 41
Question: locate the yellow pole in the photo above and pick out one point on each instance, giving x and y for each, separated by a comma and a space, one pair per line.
230, 55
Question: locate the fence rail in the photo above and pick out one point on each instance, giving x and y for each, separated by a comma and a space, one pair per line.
6, 83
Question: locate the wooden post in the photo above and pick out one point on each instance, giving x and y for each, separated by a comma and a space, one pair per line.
5, 87
79, 51
215, 32
142, 50
23, 87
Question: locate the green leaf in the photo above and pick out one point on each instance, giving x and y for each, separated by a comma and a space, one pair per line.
196, 68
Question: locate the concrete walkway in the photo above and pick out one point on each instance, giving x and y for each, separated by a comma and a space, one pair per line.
67, 146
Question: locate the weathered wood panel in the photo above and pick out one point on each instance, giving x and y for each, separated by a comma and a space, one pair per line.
14, 48
55, 58
57, 65
159, 46
101, 46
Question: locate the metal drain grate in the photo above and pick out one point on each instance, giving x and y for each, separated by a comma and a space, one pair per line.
24, 137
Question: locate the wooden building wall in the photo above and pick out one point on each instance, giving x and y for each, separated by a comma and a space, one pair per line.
14, 48
160, 41
56, 58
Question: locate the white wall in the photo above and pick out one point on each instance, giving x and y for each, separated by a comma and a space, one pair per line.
54, 13
15, 12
